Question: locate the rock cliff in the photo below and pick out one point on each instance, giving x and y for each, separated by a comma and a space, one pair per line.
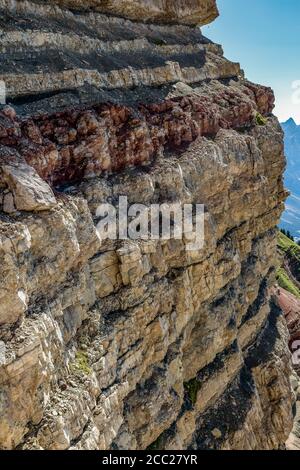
136, 344
287, 296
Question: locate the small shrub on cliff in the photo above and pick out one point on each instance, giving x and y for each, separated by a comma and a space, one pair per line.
81, 363
192, 387
260, 120
156, 445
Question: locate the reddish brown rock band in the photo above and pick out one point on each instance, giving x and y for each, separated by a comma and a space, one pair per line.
74, 144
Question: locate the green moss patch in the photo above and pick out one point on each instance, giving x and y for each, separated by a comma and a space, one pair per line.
260, 120
81, 363
192, 388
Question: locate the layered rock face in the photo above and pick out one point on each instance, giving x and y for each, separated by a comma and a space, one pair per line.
136, 344
191, 12
289, 302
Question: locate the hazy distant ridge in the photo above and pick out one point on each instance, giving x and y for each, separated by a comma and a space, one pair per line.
291, 217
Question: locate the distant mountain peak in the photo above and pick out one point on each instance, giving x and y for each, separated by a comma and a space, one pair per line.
291, 218
289, 123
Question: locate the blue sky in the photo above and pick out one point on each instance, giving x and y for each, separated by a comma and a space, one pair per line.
264, 36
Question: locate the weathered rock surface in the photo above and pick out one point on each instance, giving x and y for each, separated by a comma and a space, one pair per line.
29, 191
290, 306
130, 344
190, 12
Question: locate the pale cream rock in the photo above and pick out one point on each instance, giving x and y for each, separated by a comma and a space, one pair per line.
8, 203
30, 192
178, 11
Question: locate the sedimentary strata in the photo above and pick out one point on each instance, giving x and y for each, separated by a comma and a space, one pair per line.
131, 344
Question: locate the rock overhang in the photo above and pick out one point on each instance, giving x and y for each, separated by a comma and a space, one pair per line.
188, 12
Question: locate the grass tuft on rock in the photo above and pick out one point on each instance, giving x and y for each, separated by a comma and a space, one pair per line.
192, 388
81, 363
260, 120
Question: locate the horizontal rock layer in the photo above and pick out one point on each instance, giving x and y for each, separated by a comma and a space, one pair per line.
167, 11
107, 138
131, 344
190, 12
53, 49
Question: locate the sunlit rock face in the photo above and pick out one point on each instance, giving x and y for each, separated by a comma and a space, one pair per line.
190, 12
131, 344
